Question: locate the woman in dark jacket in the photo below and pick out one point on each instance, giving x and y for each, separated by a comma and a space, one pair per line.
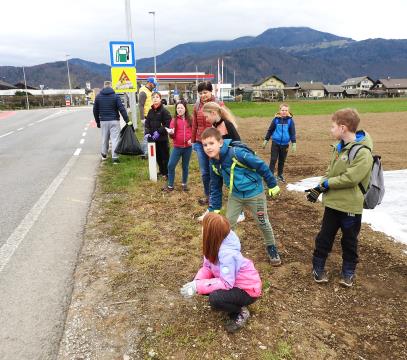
159, 118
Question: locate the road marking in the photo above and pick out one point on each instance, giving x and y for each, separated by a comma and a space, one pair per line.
8, 249
84, 134
6, 134
86, 129
49, 116
77, 152
82, 141
19, 129
30, 124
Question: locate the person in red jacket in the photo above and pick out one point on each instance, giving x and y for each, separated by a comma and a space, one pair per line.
180, 131
199, 124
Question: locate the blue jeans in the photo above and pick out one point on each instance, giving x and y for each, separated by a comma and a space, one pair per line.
203, 161
176, 154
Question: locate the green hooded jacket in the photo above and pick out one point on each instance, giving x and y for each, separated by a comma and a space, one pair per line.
343, 176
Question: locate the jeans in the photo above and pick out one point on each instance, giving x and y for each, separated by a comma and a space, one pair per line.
110, 130
332, 221
258, 208
278, 152
203, 161
176, 154
230, 301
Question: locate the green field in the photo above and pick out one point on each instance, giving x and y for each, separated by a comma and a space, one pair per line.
318, 107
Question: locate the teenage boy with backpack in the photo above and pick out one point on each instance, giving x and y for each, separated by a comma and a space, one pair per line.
242, 172
342, 195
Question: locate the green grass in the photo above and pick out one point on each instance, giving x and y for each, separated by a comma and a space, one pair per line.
283, 352
318, 107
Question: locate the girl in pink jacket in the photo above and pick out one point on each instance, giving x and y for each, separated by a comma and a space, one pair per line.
180, 131
230, 280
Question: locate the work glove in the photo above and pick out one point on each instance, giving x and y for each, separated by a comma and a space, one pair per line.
170, 131
156, 135
264, 144
294, 147
98, 124
146, 136
130, 123
313, 194
188, 290
273, 192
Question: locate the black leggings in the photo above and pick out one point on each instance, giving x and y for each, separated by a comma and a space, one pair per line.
278, 152
163, 156
230, 301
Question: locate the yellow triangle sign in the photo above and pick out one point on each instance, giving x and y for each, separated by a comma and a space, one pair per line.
123, 77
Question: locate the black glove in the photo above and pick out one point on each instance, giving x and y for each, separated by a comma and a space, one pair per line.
313, 193
98, 124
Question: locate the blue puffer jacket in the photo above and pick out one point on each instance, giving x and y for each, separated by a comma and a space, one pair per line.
281, 130
107, 106
247, 181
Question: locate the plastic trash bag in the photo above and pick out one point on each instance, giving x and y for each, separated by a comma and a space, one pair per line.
128, 143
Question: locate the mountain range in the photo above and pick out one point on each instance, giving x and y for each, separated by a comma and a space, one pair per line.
292, 53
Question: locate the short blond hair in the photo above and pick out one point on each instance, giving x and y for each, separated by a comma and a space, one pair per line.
107, 83
348, 117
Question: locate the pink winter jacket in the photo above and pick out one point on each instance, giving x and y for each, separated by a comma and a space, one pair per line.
182, 133
232, 270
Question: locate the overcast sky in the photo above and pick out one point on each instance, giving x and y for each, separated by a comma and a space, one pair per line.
34, 32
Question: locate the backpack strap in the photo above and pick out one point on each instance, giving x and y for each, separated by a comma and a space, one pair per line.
215, 170
232, 169
353, 151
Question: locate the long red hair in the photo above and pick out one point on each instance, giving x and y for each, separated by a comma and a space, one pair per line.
215, 228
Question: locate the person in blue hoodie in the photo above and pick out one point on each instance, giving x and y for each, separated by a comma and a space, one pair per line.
282, 131
106, 112
243, 173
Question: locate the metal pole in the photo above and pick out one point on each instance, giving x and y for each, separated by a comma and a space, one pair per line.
234, 84
155, 59
26, 94
69, 78
132, 95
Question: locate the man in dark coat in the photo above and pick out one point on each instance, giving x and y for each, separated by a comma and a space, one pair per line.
106, 112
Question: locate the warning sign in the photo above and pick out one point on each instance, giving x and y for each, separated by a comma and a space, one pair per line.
124, 79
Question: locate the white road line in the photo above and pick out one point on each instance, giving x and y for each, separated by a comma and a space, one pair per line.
77, 152
86, 128
84, 134
8, 249
82, 141
30, 124
49, 116
19, 129
6, 134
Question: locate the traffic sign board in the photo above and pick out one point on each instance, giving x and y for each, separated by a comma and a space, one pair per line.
124, 79
122, 53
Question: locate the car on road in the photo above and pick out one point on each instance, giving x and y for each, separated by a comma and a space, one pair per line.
228, 98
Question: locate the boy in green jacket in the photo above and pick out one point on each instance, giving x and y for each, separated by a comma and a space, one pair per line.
342, 197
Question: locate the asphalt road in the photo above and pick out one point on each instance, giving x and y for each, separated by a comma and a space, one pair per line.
48, 164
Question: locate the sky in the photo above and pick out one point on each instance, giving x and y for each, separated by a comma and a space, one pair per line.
390, 216
35, 32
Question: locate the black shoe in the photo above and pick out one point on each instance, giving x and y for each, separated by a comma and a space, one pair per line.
115, 161
104, 157
241, 319
185, 187
281, 178
320, 277
144, 157
273, 255
203, 201
167, 189
347, 280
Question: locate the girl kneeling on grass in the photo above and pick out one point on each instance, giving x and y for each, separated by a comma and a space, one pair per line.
230, 280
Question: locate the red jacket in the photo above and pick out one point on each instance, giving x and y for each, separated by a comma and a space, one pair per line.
199, 123
183, 132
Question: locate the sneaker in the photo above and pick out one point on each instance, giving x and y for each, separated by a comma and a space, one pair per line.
164, 177
203, 215
320, 277
185, 187
347, 280
281, 178
104, 157
167, 188
144, 156
273, 255
115, 161
203, 201
241, 217
240, 321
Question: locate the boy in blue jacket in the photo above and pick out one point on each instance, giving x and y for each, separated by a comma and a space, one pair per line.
243, 173
282, 131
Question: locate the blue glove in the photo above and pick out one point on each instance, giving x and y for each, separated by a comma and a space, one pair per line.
156, 135
146, 136
188, 290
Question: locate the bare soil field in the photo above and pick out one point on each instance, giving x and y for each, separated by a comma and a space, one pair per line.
141, 245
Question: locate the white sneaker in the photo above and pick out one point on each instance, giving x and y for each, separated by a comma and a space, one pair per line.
203, 215
241, 217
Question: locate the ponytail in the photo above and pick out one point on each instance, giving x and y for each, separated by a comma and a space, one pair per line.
223, 111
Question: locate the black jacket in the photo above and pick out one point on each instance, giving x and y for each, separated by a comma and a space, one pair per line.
107, 106
157, 120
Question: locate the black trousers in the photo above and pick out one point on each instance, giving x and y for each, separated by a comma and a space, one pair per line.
332, 221
230, 301
278, 152
163, 156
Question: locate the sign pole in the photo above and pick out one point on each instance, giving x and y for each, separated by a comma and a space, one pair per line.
152, 162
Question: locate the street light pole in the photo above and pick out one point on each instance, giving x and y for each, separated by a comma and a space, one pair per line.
155, 60
69, 78
26, 94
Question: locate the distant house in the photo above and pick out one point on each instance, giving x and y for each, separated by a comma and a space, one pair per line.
334, 91
6, 86
310, 89
357, 86
392, 87
270, 88
22, 86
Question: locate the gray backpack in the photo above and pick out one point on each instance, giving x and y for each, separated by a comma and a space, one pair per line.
375, 190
